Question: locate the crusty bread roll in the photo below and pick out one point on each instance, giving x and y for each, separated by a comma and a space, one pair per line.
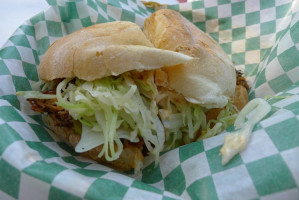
131, 156
102, 50
209, 81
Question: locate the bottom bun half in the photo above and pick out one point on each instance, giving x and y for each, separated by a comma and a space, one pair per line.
131, 156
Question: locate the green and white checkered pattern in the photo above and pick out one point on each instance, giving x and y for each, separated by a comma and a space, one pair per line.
261, 37
253, 33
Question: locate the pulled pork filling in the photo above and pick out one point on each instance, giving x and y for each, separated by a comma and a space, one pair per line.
60, 116
241, 79
134, 106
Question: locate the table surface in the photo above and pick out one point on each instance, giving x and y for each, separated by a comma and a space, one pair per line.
14, 12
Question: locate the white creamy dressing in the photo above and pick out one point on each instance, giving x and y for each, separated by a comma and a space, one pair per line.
236, 142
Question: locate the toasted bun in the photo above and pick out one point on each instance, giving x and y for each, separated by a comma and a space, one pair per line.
103, 50
131, 156
209, 81
240, 98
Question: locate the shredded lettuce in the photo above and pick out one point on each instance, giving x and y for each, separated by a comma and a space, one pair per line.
37, 90
225, 119
35, 94
181, 119
132, 107
137, 107
111, 108
268, 97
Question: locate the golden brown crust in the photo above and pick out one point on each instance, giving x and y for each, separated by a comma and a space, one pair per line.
210, 81
103, 50
98, 62
240, 98
131, 156
58, 61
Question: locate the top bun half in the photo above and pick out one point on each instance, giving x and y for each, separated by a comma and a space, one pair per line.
209, 81
102, 50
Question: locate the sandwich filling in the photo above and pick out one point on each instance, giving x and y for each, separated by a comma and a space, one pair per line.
134, 106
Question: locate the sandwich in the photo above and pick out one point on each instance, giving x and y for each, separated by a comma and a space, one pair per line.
116, 93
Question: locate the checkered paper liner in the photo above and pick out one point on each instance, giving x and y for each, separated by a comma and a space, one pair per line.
261, 37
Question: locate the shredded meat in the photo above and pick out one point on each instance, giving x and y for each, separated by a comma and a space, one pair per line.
60, 116
241, 80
